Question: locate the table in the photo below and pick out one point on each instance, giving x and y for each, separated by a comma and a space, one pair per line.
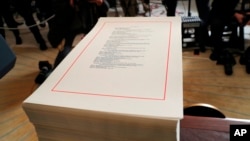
207, 128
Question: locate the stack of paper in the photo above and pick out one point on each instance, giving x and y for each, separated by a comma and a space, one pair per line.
122, 82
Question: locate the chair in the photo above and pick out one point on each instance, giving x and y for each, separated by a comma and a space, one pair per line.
204, 110
191, 26
190, 32
7, 57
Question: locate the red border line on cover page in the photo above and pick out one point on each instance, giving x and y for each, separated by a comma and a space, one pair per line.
164, 95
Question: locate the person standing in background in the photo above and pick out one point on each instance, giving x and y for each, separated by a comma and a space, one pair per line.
203, 9
24, 8
221, 14
73, 17
7, 17
44, 11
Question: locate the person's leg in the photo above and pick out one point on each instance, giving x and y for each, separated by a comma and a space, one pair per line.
45, 11
64, 51
203, 9
130, 7
220, 53
170, 6
30, 22
146, 5
24, 8
11, 23
217, 27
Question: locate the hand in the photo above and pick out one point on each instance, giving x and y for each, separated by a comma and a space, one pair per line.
239, 17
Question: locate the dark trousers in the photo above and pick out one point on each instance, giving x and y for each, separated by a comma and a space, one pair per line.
170, 6
45, 9
217, 27
220, 16
7, 17
23, 7
203, 9
66, 49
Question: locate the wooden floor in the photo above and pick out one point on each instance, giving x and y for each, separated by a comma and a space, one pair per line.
204, 82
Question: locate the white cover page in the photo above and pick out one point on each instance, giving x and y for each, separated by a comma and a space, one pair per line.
125, 65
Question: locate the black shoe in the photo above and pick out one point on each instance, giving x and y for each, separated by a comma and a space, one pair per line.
245, 59
43, 46
45, 70
214, 56
248, 67
61, 55
227, 59
19, 41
